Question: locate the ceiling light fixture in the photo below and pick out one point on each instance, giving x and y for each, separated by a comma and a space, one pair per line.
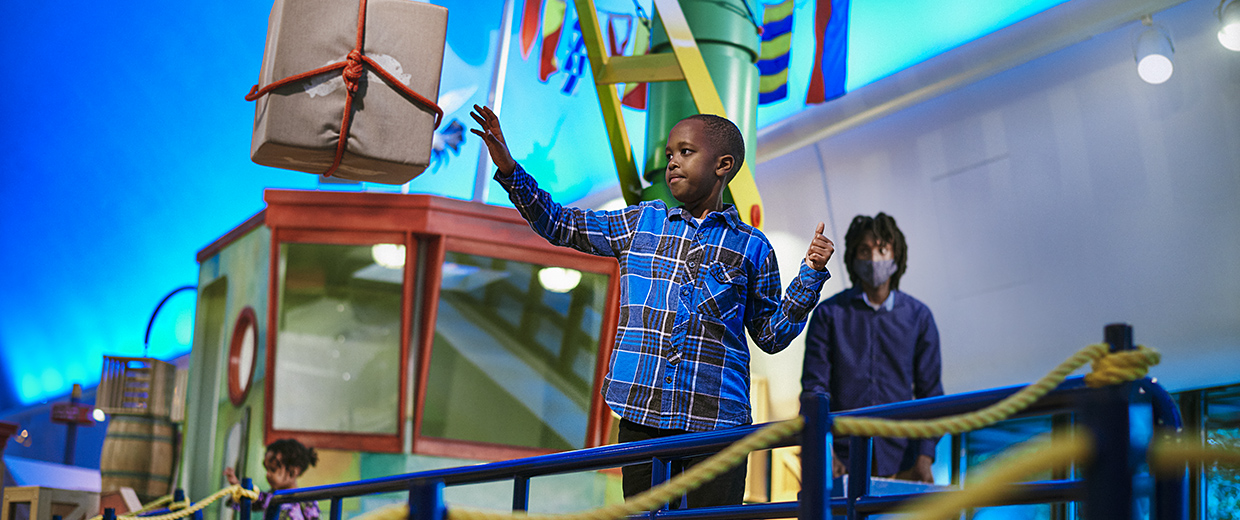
1153, 52
1229, 29
559, 279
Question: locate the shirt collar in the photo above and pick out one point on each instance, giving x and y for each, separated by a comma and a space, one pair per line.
887, 304
729, 214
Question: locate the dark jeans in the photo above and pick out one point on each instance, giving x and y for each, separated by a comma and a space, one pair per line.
727, 489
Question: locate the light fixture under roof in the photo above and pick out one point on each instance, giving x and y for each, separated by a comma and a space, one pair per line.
1229, 28
391, 256
559, 279
1153, 52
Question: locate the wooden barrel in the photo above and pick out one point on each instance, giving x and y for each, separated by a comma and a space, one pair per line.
138, 453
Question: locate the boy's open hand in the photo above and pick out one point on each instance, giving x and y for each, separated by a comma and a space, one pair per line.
494, 139
820, 249
231, 476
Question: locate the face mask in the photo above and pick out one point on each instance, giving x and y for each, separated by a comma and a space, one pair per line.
874, 273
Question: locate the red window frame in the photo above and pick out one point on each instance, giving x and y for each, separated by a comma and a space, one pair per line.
436, 225
372, 442
598, 420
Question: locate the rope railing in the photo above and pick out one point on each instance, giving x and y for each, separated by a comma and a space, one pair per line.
235, 492
991, 484
1107, 368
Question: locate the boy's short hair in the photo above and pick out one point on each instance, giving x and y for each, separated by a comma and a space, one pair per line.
725, 137
884, 229
294, 454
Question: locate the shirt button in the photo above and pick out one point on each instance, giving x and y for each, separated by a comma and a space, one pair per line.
668, 379
692, 264
686, 290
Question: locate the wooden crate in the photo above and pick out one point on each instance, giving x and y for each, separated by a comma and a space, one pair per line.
137, 386
42, 503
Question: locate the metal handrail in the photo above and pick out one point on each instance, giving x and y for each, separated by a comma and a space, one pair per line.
1072, 394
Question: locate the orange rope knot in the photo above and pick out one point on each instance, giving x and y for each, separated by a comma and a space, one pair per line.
353, 70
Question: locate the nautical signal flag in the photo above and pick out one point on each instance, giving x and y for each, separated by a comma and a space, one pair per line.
634, 95
826, 80
553, 14
773, 57
529, 26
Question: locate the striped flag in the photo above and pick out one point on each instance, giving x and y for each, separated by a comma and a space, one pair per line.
634, 95
529, 25
826, 80
773, 58
554, 12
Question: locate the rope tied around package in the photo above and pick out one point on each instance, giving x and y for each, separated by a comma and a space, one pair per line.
234, 492
352, 69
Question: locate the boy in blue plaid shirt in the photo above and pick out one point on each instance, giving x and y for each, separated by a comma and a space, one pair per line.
692, 279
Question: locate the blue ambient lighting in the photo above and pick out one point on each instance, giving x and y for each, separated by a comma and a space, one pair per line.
129, 151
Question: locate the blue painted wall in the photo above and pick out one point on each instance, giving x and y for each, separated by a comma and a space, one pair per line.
126, 145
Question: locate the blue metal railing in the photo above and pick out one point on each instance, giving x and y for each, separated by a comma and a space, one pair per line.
1122, 418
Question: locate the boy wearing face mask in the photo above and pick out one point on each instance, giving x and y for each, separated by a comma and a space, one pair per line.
873, 344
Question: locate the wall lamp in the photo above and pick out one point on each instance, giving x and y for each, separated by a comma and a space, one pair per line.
1229, 29
1153, 52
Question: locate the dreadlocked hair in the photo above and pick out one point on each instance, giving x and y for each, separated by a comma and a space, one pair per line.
883, 228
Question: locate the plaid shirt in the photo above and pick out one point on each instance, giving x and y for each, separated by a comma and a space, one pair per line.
687, 292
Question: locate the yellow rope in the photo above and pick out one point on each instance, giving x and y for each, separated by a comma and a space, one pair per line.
236, 492
993, 482
1167, 456
154, 504
1170, 456
1107, 370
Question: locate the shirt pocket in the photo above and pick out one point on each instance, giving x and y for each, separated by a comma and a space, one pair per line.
725, 292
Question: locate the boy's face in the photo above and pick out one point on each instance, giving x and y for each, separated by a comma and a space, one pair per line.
695, 170
279, 476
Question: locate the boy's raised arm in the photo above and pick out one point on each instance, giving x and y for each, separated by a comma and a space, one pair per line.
494, 139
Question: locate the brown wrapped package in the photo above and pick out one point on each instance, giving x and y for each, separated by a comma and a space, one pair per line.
297, 125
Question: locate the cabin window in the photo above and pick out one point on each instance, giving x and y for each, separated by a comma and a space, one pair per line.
1222, 430
514, 351
338, 326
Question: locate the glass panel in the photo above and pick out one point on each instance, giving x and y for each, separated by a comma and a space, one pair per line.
338, 346
514, 353
987, 443
1222, 427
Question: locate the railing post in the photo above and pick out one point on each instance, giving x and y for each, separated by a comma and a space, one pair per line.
860, 455
426, 500
1170, 492
335, 513
660, 472
520, 493
816, 453
247, 506
109, 513
269, 512
1121, 422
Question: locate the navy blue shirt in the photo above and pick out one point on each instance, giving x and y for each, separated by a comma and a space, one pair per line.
865, 357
